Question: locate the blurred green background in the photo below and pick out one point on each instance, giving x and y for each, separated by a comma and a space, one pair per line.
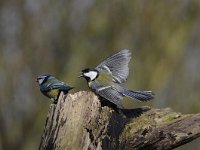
63, 37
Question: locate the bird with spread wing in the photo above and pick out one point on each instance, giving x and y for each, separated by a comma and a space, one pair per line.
106, 79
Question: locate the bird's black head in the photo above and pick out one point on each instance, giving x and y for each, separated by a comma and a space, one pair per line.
42, 78
89, 74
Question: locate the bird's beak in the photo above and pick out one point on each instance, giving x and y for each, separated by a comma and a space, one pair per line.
36, 80
81, 74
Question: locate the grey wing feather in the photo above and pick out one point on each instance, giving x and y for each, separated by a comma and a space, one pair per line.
117, 65
51, 86
139, 95
56, 85
111, 95
61, 86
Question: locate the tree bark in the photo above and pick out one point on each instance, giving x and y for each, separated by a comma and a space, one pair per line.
79, 122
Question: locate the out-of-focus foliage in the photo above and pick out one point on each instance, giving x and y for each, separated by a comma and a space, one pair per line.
64, 37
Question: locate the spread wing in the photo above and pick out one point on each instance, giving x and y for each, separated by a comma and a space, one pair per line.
117, 65
109, 93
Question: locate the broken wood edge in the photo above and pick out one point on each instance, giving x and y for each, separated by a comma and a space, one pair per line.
103, 128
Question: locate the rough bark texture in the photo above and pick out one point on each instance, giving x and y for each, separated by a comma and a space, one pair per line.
79, 122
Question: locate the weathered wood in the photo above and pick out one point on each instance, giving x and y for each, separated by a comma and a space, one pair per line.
79, 122
160, 129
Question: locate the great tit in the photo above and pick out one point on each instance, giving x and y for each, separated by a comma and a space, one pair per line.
51, 87
106, 79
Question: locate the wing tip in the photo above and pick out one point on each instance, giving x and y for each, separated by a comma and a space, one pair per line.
127, 51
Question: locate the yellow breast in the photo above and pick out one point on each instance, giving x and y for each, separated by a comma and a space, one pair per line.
53, 93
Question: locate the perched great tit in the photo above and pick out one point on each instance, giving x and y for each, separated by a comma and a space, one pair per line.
51, 87
106, 79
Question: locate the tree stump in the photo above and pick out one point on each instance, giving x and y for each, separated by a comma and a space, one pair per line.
78, 122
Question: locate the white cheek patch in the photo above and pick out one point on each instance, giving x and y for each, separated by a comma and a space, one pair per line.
40, 81
92, 75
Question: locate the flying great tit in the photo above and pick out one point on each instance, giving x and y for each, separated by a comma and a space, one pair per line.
106, 79
51, 87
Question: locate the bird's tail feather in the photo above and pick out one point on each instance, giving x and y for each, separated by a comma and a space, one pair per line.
65, 89
139, 95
